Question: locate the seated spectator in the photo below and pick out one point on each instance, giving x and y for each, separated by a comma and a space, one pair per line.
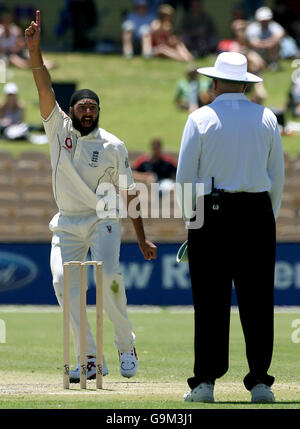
164, 42
157, 167
12, 118
264, 36
12, 112
136, 30
192, 91
9, 36
198, 30
255, 61
12, 45
256, 64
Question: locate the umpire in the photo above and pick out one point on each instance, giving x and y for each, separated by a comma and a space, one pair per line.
233, 147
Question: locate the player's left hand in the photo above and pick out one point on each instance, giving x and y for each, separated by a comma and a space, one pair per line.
148, 249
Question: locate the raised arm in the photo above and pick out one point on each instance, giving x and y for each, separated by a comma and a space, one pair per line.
40, 72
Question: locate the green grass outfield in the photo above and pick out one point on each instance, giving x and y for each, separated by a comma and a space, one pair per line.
136, 96
31, 360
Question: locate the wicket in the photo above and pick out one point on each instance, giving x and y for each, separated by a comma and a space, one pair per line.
83, 321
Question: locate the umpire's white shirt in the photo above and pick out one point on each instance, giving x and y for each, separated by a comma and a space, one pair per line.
238, 143
81, 163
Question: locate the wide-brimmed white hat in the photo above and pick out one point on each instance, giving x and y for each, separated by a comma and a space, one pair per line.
263, 14
230, 66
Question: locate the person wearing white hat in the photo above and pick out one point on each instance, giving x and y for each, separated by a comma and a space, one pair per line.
12, 112
233, 147
10, 88
264, 36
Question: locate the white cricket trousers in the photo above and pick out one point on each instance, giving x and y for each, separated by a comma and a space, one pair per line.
73, 236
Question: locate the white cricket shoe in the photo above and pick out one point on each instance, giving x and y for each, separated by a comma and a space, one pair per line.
128, 363
261, 393
202, 393
91, 370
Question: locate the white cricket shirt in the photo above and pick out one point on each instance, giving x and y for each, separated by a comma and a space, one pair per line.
80, 164
238, 143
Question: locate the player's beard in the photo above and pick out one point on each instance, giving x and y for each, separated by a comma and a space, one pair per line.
84, 130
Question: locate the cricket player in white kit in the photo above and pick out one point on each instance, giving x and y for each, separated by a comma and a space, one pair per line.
85, 158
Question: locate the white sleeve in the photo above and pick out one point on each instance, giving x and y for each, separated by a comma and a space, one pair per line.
123, 177
188, 162
252, 32
276, 29
275, 168
55, 122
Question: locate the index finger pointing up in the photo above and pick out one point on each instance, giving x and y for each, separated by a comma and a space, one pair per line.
38, 18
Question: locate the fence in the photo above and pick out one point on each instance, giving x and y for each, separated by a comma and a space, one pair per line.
25, 276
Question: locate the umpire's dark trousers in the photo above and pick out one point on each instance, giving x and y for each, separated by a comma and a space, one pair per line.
236, 243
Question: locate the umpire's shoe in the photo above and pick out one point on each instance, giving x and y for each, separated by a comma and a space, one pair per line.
261, 393
91, 370
202, 393
128, 363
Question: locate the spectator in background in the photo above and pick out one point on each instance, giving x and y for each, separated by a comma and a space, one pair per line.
164, 42
12, 45
264, 36
81, 16
10, 37
84, 17
157, 167
192, 91
287, 14
12, 112
198, 30
136, 30
256, 63
246, 9
12, 118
